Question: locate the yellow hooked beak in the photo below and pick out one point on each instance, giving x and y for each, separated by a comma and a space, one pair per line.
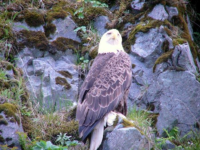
114, 35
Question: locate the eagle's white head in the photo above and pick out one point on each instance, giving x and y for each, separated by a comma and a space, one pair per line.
111, 41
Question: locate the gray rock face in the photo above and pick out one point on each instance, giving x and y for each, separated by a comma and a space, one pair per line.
65, 28
125, 139
100, 23
9, 132
145, 51
183, 56
42, 74
159, 13
148, 46
137, 5
172, 11
189, 27
18, 26
179, 103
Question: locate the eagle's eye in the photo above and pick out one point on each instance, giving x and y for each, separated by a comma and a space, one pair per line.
109, 33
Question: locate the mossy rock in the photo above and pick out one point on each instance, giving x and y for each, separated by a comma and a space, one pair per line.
3, 122
49, 29
60, 10
63, 82
34, 18
27, 124
93, 52
67, 74
163, 58
10, 110
62, 44
32, 39
2, 140
90, 13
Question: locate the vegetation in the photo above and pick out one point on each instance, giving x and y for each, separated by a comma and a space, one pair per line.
50, 129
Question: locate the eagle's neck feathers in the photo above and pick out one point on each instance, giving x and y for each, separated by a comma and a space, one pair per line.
109, 48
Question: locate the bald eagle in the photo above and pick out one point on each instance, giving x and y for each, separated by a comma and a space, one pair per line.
105, 89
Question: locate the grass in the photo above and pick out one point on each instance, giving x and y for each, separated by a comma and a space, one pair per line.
143, 123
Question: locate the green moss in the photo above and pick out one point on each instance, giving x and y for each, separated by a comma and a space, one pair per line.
67, 74
60, 10
168, 31
71, 114
55, 15
49, 29
93, 52
165, 46
143, 27
3, 122
63, 82
71, 128
127, 123
1, 33
28, 125
34, 19
10, 110
163, 58
2, 140
178, 41
90, 13
133, 66
33, 39
62, 44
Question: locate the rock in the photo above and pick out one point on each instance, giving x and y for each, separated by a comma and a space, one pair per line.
125, 139
172, 11
18, 26
148, 46
65, 28
137, 5
189, 27
159, 13
100, 24
183, 56
10, 124
42, 76
179, 103
169, 145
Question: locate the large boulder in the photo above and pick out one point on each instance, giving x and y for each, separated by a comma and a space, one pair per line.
124, 139
10, 124
179, 103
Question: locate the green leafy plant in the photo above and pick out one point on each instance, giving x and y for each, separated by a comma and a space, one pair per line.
2, 75
24, 141
63, 140
80, 12
24, 111
82, 28
43, 145
84, 62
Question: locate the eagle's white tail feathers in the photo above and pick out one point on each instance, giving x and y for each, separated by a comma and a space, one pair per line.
97, 135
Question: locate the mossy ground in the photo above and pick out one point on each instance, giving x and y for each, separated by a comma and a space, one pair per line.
62, 44
10, 110
63, 82
33, 39
66, 74
34, 18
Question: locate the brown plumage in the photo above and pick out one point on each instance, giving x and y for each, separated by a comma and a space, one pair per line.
105, 88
